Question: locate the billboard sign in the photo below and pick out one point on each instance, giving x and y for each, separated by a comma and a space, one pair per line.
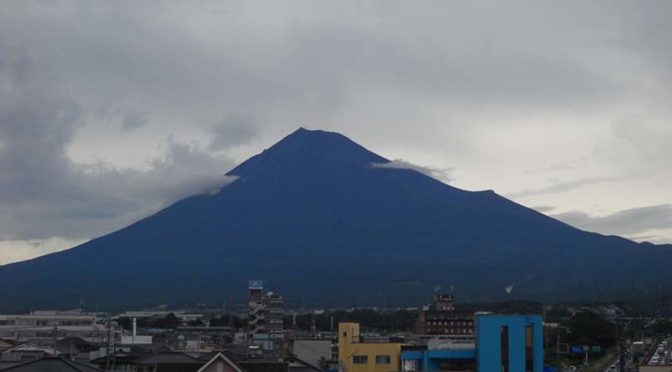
255, 284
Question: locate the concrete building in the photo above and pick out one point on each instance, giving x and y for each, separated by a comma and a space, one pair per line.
355, 354
43, 327
255, 312
441, 318
313, 351
502, 343
265, 311
510, 343
274, 307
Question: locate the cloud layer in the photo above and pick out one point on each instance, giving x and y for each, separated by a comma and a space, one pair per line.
45, 196
442, 175
635, 222
110, 110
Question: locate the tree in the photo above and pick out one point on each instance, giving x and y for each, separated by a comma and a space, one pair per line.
169, 321
588, 328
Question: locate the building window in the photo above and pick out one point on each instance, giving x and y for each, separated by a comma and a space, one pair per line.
383, 359
360, 359
504, 348
529, 348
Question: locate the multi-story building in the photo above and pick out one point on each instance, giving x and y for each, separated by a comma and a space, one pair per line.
500, 343
266, 311
274, 307
255, 316
43, 327
441, 318
358, 354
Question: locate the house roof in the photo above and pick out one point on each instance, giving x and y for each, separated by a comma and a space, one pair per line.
75, 345
28, 347
169, 358
264, 366
51, 364
7, 343
226, 359
171, 362
297, 364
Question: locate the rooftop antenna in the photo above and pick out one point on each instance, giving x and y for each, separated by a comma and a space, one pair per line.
437, 288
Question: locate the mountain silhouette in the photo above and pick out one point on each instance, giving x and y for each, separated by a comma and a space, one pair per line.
320, 221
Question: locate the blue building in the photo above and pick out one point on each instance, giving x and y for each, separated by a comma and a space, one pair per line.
510, 343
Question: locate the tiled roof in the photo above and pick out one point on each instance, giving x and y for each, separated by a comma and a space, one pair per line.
51, 364
170, 358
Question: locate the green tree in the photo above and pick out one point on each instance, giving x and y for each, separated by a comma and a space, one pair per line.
588, 328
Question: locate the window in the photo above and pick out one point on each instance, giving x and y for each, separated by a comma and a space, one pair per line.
360, 359
504, 348
383, 359
529, 348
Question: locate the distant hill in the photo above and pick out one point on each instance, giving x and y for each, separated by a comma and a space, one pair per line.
319, 223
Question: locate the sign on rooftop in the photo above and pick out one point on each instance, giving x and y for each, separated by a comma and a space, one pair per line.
255, 284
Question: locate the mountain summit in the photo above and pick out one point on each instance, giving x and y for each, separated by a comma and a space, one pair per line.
318, 221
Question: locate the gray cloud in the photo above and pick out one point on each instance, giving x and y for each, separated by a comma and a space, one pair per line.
543, 208
235, 129
44, 194
563, 186
195, 87
441, 174
554, 168
635, 221
134, 120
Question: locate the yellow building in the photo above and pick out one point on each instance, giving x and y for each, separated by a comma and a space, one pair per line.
357, 355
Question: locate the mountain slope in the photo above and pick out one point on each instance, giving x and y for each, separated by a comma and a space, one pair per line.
317, 221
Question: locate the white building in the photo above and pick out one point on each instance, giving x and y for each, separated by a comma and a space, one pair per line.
44, 326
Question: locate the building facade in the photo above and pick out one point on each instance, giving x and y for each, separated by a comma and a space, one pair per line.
355, 354
255, 310
265, 311
508, 343
441, 318
43, 327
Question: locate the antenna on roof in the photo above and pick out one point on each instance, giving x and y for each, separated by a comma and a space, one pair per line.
437, 288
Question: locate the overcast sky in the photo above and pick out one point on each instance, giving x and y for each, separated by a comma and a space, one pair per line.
110, 110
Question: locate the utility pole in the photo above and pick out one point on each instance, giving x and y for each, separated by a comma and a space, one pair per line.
557, 351
622, 326
109, 343
55, 335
